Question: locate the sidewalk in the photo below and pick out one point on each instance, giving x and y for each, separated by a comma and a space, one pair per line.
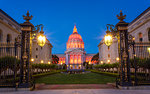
74, 86
81, 91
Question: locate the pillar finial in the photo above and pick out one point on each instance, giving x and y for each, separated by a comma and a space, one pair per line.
121, 17
27, 17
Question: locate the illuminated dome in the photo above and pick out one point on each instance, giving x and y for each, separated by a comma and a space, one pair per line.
75, 40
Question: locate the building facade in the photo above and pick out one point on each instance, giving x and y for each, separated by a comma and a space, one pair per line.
139, 28
75, 54
108, 54
9, 30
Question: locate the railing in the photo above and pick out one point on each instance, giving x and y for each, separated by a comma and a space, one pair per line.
141, 61
9, 65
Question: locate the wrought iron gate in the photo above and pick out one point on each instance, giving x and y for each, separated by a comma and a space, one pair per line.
140, 63
9, 64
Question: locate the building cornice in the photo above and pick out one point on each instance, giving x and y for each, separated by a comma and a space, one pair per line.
13, 29
9, 17
139, 25
144, 12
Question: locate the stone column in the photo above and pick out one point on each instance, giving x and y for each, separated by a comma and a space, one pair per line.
77, 62
68, 61
81, 61
73, 59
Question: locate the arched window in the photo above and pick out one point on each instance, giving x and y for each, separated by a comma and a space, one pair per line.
8, 38
1, 36
149, 34
140, 37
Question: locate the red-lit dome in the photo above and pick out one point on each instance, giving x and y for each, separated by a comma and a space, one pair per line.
75, 40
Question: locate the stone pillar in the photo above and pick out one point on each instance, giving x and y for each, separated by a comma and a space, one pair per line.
82, 61
73, 59
77, 62
68, 61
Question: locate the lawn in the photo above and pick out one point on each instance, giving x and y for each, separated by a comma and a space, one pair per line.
87, 78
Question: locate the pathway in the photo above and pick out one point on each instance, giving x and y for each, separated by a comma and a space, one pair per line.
81, 91
75, 86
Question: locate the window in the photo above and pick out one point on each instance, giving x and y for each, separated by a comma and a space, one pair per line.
36, 56
8, 38
41, 48
36, 49
140, 37
1, 36
149, 34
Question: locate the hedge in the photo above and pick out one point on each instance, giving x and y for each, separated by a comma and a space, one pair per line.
106, 73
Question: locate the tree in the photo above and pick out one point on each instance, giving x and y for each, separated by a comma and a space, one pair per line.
85, 64
55, 59
95, 58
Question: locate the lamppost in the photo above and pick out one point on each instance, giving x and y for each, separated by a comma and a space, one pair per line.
28, 33
120, 32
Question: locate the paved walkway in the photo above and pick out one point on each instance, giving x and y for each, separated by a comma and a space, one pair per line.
75, 86
81, 91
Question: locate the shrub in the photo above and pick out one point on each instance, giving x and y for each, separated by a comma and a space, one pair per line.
9, 62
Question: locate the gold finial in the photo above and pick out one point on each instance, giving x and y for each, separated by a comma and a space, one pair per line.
121, 17
27, 17
75, 29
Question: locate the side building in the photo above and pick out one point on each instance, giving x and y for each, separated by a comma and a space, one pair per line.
139, 28
9, 30
108, 54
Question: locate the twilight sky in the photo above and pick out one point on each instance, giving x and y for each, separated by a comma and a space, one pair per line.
59, 17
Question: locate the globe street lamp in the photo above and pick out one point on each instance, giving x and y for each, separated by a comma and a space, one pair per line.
108, 38
41, 38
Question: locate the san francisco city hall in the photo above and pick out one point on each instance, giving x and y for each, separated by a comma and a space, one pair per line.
75, 54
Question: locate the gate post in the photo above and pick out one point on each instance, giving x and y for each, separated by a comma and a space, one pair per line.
25, 71
124, 63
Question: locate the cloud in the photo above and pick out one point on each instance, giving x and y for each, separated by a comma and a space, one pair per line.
99, 37
49, 35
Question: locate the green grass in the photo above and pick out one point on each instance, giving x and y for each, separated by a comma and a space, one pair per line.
88, 78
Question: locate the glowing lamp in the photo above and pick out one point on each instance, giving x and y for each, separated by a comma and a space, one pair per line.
117, 58
41, 40
108, 61
49, 62
32, 59
148, 49
42, 61
101, 62
108, 39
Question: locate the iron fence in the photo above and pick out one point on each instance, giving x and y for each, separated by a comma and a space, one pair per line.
9, 64
140, 63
